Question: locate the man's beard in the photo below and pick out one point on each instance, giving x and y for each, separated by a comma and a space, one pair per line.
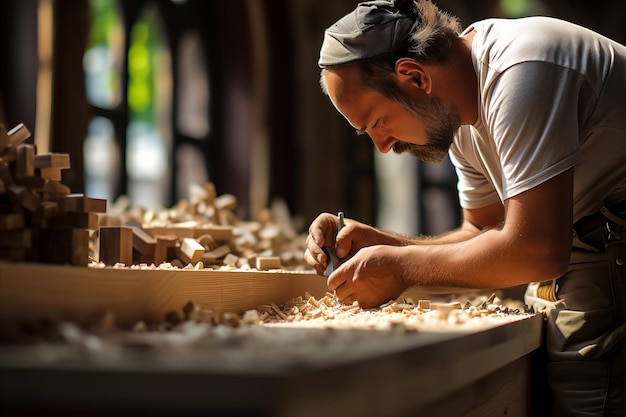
440, 122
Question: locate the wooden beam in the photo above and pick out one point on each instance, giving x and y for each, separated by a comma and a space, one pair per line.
54, 292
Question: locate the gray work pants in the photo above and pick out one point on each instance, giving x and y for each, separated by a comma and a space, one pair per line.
586, 332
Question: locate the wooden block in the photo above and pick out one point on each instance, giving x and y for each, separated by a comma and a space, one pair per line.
64, 246
263, 263
52, 160
211, 193
140, 258
51, 174
226, 202
163, 243
12, 221
214, 256
231, 260
9, 140
191, 250
18, 134
27, 198
78, 203
20, 238
219, 252
78, 220
47, 210
13, 254
219, 233
143, 242
116, 245
55, 189
4, 138
35, 183
25, 161
5, 174
106, 220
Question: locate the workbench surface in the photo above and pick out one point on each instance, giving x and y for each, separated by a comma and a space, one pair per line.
277, 371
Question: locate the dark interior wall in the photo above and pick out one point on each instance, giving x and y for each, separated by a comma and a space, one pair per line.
18, 68
607, 17
70, 115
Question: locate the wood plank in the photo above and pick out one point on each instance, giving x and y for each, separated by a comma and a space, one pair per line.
52, 160
82, 293
220, 233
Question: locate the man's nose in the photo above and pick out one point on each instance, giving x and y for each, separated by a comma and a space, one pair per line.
383, 143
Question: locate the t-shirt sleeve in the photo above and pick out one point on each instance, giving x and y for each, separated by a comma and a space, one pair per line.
474, 187
532, 114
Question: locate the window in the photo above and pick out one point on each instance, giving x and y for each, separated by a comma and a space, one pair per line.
134, 145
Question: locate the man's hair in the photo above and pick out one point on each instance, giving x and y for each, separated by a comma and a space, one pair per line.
430, 42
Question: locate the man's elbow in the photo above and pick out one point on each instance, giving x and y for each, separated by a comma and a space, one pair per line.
548, 264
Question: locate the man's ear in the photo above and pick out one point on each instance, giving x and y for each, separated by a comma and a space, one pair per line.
411, 74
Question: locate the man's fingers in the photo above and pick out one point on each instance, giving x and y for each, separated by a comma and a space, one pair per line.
314, 261
345, 294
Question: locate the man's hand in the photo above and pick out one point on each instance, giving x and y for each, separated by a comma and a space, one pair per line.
372, 277
323, 232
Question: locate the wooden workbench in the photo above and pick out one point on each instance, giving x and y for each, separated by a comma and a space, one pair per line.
263, 370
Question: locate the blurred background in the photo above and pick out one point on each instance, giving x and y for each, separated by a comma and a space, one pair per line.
150, 96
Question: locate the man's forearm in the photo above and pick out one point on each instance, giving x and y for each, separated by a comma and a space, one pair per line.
461, 234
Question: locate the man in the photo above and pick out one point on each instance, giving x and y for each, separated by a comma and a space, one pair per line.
532, 113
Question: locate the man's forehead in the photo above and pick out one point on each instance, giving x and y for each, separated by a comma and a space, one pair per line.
343, 81
346, 92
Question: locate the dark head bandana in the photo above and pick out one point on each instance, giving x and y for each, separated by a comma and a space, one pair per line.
374, 28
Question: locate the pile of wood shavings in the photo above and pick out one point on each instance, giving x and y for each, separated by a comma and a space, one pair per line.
202, 327
328, 311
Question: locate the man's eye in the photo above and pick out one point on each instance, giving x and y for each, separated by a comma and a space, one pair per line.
377, 123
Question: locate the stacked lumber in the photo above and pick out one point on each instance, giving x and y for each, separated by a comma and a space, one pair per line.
40, 219
200, 232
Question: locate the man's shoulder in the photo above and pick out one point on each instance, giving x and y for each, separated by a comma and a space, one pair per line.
502, 43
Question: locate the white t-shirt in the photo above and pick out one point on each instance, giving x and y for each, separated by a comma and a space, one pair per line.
552, 96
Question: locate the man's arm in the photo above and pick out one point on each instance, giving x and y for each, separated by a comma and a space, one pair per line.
533, 243
474, 222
